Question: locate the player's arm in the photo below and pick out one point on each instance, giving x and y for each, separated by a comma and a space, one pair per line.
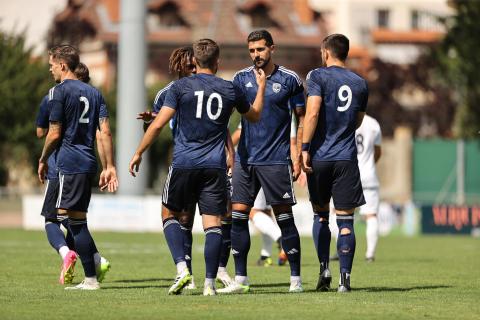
236, 136
106, 153
360, 116
309, 126
300, 117
51, 142
230, 148
41, 132
377, 153
255, 111
166, 113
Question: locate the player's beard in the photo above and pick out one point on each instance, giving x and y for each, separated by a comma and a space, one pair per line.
261, 63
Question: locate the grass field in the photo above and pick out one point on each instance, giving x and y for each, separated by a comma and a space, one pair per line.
421, 277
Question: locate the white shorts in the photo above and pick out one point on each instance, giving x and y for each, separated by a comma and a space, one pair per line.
372, 199
261, 202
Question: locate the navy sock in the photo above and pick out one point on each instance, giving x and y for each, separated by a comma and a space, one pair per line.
84, 244
321, 237
226, 242
55, 235
187, 245
290, 241
212, 250
240, 241
345, 243
174, 237
69, 236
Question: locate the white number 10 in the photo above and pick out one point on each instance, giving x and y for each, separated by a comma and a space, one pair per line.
214, 95
347, 98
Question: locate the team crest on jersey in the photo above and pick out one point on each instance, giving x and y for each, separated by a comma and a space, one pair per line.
276, 87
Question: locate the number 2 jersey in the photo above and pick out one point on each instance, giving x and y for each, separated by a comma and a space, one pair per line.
343, 94
203, 104
78, 107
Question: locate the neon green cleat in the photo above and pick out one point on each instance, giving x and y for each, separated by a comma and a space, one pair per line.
235, 288
181, 281
102, 269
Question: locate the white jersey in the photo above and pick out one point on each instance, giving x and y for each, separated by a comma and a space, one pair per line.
367, 137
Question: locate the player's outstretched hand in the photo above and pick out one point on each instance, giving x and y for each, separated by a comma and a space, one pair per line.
306, 165
146, 116
134, 164
296, 170
42, 171
260, 77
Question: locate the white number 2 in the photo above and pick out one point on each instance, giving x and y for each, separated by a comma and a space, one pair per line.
347, 98
84, 118
214, 95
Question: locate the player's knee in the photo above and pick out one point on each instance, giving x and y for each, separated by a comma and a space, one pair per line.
345, 231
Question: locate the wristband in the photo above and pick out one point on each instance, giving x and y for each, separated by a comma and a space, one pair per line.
306, 146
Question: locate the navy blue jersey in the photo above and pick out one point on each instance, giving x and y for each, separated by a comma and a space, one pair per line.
344, 94
78, 106
42, 122
268, 140
297, 101
203, 105
158, 103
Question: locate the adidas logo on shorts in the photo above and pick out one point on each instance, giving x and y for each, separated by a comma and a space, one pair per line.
292, 251
286, 195
235, 251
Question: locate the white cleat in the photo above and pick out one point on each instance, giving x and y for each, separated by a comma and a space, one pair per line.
182, 280
209, 291
296, 286
85, 285
224, 278
235, 288
191, 285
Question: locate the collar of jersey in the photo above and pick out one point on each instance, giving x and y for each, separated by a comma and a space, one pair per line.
275, 69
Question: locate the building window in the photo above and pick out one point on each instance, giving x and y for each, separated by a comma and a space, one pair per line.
260, 16
415, 19
383, 18
168, 16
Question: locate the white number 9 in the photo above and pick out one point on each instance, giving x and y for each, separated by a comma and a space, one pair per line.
347, 98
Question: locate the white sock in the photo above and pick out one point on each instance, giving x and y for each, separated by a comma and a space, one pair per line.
63, 251
295, 279
372, 236
97, 258
332, 224
209, 282
91, 279
267, 242
221, 270
181, 266
266, 225
241, 279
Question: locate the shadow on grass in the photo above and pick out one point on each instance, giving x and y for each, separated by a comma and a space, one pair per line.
392, 289
141, 280
271, 285
136, 287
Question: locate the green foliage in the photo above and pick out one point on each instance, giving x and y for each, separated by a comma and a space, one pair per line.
24, 81
458, 61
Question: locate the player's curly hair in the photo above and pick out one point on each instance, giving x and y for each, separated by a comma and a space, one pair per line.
180, 60
82, 73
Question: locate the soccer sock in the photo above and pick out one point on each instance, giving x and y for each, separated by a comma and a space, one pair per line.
372, 236
55, 235
187, 245
290, 241
266, 245
212, 250
333, 225
226, 242
240, 241
174, 236
321, 237
84, 245
265, 224
97, 258
345, 242
69, 236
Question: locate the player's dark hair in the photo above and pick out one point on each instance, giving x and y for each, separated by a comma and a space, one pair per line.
261, 35
338, 45
180, 59
66, 53
206, 53
82, 73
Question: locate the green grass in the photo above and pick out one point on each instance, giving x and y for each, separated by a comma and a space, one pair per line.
422, 277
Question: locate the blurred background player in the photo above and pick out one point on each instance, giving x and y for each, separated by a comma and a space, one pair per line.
64, 244
337, 99
368, 139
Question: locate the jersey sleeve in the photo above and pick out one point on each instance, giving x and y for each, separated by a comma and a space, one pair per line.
43, 114
364, 102
159, 100
241, 102
378, 135
297, 85
103, 108
56, 105
172, 97
297, 101
314, 85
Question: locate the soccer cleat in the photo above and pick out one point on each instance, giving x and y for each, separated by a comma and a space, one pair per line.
209, 291
264, 261
182, 280
324, 280
282, 258
344, 283
102, 269
85, 285
235, 288
224, 279
296, 286
68, 267
191, 285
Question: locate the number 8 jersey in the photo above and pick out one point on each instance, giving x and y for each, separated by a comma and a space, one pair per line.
203, 104
343, 94
78, 107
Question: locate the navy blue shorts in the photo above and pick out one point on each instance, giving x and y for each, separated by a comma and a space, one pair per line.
276, 181
49, 211
337, 179
186, 187
75, 191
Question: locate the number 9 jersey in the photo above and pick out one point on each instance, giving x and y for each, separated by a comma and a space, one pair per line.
78, 107
343, 94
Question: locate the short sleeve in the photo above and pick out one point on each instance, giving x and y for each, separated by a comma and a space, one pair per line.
160, 99
314, 85
43, 114
378, 135
241, 103
56, 105
103, 108
363, 105
172, 97
297, 101
297, 85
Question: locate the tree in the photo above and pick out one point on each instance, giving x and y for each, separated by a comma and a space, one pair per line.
24, 81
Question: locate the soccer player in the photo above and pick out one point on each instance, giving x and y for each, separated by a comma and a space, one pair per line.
64, 244
202, 105
264, 160
337, 99
368, 138
77, 110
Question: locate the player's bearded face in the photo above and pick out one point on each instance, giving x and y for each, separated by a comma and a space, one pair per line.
260, 53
